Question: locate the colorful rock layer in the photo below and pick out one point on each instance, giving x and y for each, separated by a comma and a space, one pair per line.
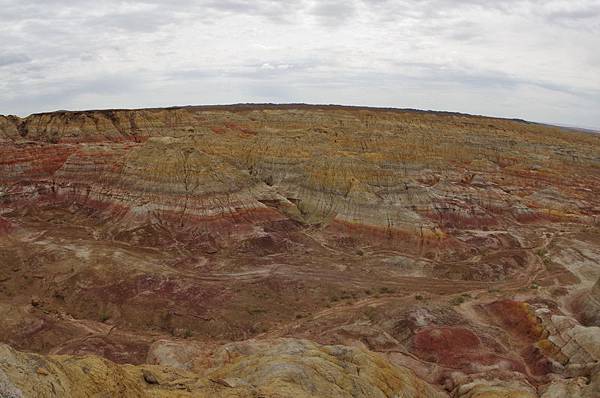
279, 251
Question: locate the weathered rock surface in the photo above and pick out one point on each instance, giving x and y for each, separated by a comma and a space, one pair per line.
8, 128
180, 355
281, 368
575, 387
591, 306
495, 388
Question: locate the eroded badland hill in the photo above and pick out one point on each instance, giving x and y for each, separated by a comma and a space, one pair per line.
297, 251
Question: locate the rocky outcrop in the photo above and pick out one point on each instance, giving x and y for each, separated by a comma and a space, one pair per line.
495, 388
591, 306
580, 387
571, 344
109, 125
9, 128
280, 368
180, 355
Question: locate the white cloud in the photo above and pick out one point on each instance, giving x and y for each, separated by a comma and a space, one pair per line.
533, 59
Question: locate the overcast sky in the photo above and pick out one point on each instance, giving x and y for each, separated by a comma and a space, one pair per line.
533, 59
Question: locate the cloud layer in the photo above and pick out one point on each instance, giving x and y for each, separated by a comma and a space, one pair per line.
532, 59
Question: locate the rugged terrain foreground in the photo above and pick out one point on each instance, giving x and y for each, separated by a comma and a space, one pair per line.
297, 251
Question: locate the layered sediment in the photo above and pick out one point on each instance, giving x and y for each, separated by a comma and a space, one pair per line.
392, 173
297, 251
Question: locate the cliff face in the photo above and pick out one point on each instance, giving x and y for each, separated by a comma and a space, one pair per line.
9, 127
452, 245
118, 125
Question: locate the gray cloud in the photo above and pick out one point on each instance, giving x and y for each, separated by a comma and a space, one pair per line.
534, 59
334, 13
11, 59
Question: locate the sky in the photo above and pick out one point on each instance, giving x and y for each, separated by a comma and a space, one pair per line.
533, 59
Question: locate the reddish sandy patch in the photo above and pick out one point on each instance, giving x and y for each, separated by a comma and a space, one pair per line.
442, 343
458, 348
517, 318
5, 226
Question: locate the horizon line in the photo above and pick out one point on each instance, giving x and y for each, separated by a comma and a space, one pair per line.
313, 105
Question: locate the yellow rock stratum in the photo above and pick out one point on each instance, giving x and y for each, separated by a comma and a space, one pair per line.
278, 368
